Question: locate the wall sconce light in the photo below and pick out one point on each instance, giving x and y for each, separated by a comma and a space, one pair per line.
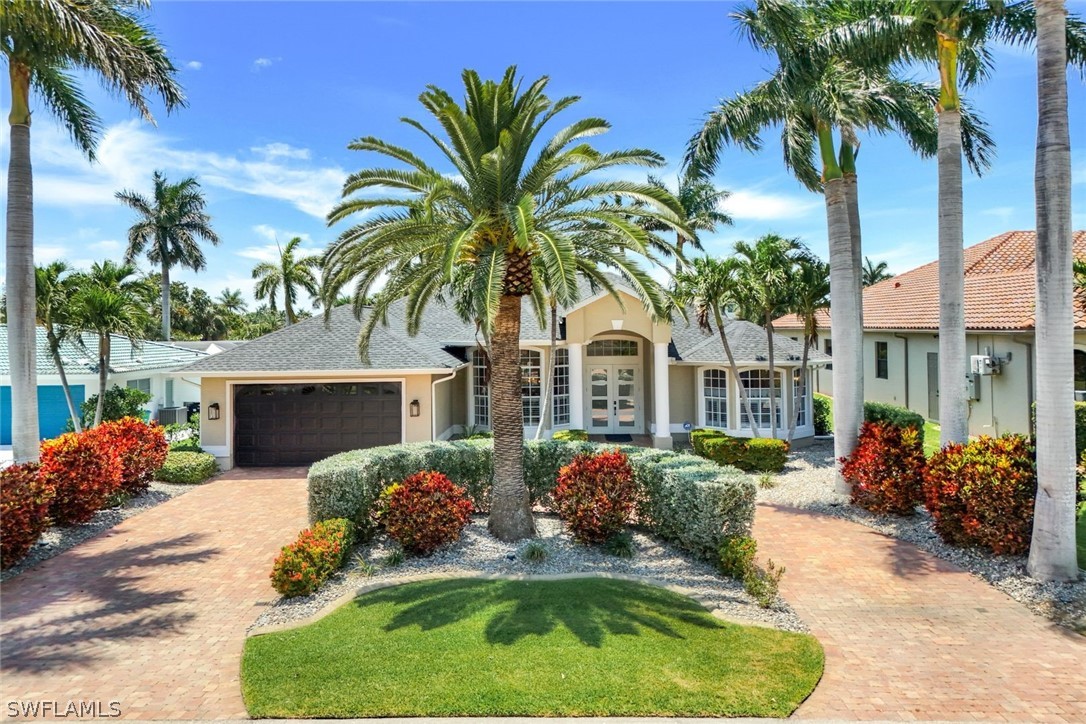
415, 408
616, 324
213, 411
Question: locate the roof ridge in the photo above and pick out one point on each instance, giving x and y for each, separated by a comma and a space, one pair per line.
997, 242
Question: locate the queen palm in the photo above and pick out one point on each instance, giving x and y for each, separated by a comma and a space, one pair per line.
110, 299
1052, 555
515, 218
875, 273
289, 274
45, 44
54, 289
810, 294
169, 226
231, 301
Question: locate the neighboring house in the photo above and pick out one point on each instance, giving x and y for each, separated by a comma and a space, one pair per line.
144, 365
901, 340
211, 346
302, 393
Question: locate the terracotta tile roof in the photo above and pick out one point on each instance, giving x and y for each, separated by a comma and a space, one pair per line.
999, 290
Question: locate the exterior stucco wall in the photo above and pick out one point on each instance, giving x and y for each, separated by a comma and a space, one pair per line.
683, 384
597, 318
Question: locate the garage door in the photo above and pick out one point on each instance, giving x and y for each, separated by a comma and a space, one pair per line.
52, 410
300, 424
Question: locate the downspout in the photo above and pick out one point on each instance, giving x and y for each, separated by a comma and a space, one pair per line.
1029, 383
433, 399
905, 339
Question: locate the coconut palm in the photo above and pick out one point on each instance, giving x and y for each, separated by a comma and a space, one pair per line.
507, 224
875, 273
110, 299
1052, 555
54, 289
45, 44
810, 294
708, 285
289, 274
701, 201
169, 226
231, 301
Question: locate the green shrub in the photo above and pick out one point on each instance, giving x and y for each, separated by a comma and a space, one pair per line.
535, 551
762, 584
725, 450
759, 454
765, 455
187, 467
894, 415
684, 499
737, 556
120, 402
823, 414
595, 496
189, 444
304, 565
620, 545
570, 435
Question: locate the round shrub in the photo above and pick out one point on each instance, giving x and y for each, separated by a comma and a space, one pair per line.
737, 556
425, 512
187, 467
570, 435
982, 494
304, 565
24, 508
82, 470
823, 414
886, 470
765, 455
141, 447
595, 495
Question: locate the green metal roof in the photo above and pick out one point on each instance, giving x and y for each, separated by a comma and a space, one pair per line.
125, 356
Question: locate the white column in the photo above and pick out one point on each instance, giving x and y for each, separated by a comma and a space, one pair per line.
576, 386
661, 395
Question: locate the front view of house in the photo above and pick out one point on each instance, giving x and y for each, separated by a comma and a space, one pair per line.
303, 393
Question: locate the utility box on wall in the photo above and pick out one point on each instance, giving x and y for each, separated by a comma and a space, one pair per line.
974, 385
982, 364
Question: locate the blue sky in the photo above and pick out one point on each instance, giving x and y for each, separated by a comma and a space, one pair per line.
277, 89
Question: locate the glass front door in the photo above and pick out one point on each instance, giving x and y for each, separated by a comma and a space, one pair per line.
612, 398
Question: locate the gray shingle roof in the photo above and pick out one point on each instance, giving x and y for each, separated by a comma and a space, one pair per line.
124, 356
747, 341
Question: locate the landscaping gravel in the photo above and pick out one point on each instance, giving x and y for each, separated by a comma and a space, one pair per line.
56, 540
477, 552
807, 482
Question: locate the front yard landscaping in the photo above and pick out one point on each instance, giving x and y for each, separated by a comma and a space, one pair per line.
582, 647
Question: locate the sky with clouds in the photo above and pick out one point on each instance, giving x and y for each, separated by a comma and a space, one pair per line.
277, 90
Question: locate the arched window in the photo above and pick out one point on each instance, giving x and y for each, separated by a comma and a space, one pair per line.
560, 400
715, 394
757, 383
531, 385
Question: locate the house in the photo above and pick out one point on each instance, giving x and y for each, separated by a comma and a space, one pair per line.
303, 393
901, 336
145, 365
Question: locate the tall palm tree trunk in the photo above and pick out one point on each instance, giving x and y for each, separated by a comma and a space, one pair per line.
1052, 554
54, 349
953, 393
103, 376
847, 329
772, 377
510, 510
166, 325
288, 308
19, 277
744, 398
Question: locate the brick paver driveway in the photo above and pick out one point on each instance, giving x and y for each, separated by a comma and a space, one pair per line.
909, 636
153, 613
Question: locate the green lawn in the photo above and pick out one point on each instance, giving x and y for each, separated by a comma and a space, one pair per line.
587, 647
932, 432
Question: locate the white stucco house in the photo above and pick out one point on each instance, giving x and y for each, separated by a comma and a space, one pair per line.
302, 393
146, 365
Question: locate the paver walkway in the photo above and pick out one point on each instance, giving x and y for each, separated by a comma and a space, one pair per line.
153, 613
910, 636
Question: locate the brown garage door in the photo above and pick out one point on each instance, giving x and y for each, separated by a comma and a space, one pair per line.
300, 424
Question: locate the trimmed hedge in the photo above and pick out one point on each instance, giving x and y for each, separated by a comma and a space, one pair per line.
689, 501
570, 435
823, 414
895, 415
187, 467
305, 564
24, 511
757, 454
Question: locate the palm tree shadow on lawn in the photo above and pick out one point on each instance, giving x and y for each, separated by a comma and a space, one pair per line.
518, 609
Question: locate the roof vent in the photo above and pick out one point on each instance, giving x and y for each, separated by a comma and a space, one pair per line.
759, 358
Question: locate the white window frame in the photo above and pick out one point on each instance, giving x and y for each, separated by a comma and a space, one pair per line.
760, 401
703, 399
560, 399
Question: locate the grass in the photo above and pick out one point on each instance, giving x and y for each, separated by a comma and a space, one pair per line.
1080, 536
932, 433
587, 647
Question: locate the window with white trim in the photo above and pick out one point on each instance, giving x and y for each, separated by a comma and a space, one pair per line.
612, 348
800, 392
531, 385
715, 394
757, 384
480, 388
143, 384
560, 400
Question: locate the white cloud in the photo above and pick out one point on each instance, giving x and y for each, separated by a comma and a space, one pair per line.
746, 205
128, 154
262, 63
109, 246
1003, 213
277, 238
194, 65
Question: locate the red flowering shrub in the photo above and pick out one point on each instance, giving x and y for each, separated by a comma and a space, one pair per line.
983, 493
595, 495
24, 511
141, 447
82, 470
886, 470
425, 512
301, 567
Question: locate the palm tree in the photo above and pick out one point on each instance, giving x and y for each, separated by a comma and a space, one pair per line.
54, 289
231, 301
110, 299
810, 287
509, 224
875, 273
701, 201
44, 43
169, 227
289, 274
709, 286
1052, 555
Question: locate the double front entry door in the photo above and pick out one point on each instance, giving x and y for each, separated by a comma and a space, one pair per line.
613, 399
